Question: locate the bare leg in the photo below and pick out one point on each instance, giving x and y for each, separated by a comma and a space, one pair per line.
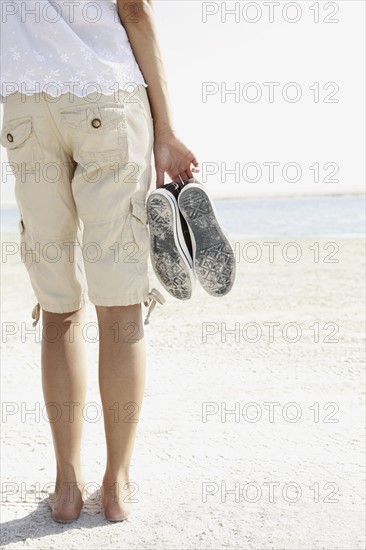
64, 389
121, 382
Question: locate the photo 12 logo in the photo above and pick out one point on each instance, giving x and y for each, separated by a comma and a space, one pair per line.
269, 92
270, 491
269, 12
13, 491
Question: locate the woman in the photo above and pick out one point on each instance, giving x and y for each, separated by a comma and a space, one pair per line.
85, 102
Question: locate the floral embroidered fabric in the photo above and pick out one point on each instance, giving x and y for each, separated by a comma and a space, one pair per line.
60, 46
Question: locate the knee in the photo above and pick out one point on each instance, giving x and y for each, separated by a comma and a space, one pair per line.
63, 318
111, 311
119, 314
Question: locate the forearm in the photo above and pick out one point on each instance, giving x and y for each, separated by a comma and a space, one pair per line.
138, 20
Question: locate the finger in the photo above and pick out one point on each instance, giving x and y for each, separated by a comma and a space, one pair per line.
189, 173
185, 168
194, 161
159, 178
184, 176
176, 176
196, 165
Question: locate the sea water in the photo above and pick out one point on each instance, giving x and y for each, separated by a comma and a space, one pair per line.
293, 216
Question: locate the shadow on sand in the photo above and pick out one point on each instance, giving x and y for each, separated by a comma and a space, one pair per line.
39, 522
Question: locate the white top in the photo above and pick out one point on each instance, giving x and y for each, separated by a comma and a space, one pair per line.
59, 46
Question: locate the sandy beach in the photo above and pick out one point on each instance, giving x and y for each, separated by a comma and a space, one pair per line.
251, 431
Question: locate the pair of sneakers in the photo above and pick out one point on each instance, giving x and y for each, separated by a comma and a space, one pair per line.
188, 241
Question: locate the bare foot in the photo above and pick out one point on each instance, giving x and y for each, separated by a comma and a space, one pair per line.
117, 498
66, 502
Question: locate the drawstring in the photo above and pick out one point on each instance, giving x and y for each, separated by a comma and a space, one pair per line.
153, 298
36, 313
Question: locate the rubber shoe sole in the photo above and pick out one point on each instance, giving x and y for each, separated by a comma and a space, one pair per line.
170, 258
213, 257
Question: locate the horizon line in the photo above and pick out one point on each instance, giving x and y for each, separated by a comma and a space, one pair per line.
7, 204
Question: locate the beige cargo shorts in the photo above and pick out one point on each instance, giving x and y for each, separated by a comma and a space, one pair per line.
82, 168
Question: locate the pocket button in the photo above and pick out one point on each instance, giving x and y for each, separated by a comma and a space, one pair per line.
10, 138
96, 123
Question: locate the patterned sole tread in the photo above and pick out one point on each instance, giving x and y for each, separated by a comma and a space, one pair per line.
168, 264
214, 260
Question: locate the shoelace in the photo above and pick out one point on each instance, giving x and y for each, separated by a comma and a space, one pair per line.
154, 297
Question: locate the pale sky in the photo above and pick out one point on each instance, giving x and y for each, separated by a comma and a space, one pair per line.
270, 141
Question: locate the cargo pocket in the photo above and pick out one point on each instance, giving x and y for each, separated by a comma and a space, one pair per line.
26, 255
21, 142
36, 311
136, 236
98, 132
